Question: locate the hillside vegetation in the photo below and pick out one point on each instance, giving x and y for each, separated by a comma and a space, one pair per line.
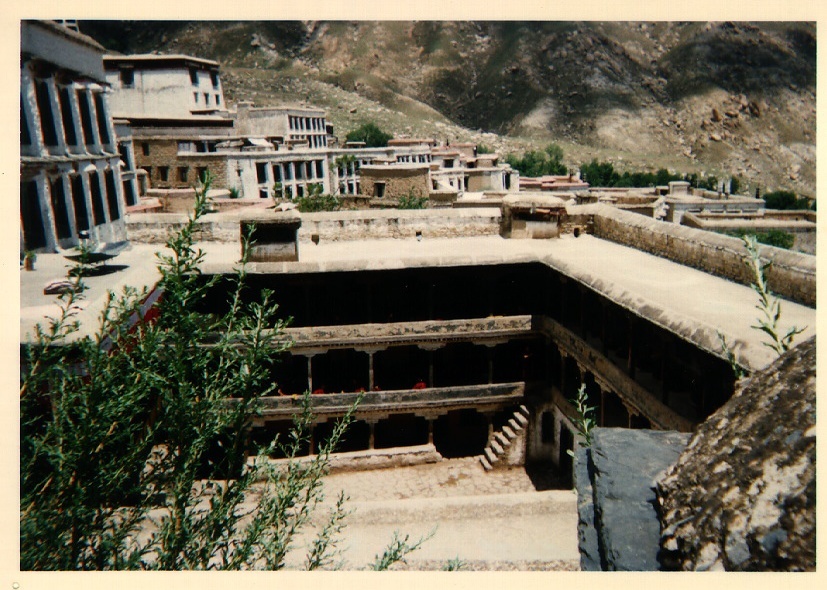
711, 98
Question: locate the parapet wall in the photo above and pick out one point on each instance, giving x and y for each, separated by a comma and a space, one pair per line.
394, 223
792, 275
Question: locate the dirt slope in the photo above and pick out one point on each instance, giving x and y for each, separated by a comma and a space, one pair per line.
719, 98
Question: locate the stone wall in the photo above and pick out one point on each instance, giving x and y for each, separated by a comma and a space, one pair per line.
163, 152
399, 180
155, 228
792, 275
393, 223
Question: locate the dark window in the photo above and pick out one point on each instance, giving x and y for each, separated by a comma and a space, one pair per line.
218, 99
145, 148
86, 117
308, 168
112, 195
148, 170
194, 76
47, 117
319, 169
261, 172
34, 234
379, 190
214, 79
163, 173
201, 147
300, 190
66, 114
129, 193
183, 173
299, 171
288, 171
79, 201
123, 150
25, 134
547, 427
103, 128
201, 171
97, 199
59, 207
276, 173
127, 77
206, 99
263, 193
195, 97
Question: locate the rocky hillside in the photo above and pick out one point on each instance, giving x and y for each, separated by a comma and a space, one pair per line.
719, 98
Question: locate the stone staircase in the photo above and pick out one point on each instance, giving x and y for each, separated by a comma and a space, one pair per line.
497, 450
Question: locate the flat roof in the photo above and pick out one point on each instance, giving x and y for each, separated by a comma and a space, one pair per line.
687, 302
156, 60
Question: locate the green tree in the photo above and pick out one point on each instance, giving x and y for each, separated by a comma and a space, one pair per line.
785, 200
369, 133
134, 439
533, 164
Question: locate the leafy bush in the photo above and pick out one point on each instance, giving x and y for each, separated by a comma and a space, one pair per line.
369, 133
316, 201
235, 193
785, 200
533, 164
484, 149
134, 439
603, 174
412, 201
773, 237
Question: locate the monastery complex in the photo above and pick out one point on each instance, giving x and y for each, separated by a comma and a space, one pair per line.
468, 326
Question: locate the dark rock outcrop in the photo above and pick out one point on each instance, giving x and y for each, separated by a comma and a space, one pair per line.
742, 495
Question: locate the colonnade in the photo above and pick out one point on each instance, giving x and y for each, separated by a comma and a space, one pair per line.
70, 177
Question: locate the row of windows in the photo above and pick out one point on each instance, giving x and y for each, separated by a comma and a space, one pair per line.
421, 158
93, 117
310, 170
182, 173
306, 123
207, 98
104, 196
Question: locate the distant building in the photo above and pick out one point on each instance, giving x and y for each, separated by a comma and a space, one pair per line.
70, 163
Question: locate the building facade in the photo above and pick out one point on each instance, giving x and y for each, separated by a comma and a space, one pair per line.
70, 165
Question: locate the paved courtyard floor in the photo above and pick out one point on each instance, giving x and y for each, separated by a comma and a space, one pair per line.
488, 520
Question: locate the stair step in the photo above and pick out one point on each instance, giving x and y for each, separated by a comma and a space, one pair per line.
489, 454
485, 464
521, 419
524, 411
496, 447
514, 425
502, 439
509, 433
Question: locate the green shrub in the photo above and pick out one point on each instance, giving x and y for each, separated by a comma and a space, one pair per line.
773, 237
412, 201
533, 164
316, 201
369, 133
785, 200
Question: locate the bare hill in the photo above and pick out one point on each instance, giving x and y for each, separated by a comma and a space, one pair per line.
720, 98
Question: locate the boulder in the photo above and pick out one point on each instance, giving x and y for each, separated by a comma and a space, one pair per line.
742, 495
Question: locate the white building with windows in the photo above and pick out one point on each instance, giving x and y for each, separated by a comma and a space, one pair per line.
70, 166
163, 86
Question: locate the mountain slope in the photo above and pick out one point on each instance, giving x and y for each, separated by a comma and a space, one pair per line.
721, 98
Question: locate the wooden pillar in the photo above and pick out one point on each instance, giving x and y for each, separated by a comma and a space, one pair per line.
431, 369
630, 359
310, 373
370, 371
430, 430
372, 437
